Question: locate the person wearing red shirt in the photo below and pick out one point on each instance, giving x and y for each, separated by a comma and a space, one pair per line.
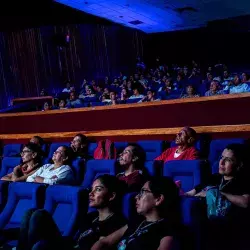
132, 160
184, 150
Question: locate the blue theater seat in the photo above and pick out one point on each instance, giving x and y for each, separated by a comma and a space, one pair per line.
92, 147
8, 164
94, 168
154, 168
152, 149
120, 146
128, 206
11, 150
66, 204
189, 172
3, 193
78, 167
54, 146
217, 147
21, 197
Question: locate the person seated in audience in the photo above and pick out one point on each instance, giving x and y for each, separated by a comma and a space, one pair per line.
190, 92
105, 196
58, 172
158, 203
150, 97
31, 161
137, 94
184, 150
62, 104
132, 160
238, 86
214, 89
232, 181
37, 140
73, 100
79, 146
67, 89
244, 77
46, 106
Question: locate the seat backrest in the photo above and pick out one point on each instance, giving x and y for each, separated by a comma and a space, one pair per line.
66, 204
128, 206
92, 147
94, 168
217, 147
152, 149
54, 146
189, 172
21, 197
11, 150
78, 167
154, 168
8, 164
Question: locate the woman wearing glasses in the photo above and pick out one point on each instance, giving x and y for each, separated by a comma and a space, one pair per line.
158, 203
31, 161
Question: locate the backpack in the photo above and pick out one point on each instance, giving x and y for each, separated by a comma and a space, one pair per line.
105, 150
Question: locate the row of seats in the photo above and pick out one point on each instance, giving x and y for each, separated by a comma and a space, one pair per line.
67, 205
152, 148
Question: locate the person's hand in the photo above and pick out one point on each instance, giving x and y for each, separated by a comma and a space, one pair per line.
73, 148
13, 177
201, 194
190, 193
39, 179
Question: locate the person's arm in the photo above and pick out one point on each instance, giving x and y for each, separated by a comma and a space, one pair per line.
163, 156
166, 243
194, 155
63, 177
110, 240
238, 200
24, 177
191, 193
7, 177
32, 177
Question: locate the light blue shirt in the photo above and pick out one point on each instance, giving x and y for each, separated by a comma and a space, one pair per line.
242, 88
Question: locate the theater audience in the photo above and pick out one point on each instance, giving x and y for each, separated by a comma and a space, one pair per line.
190, 92
214, 89
184, 150
105, 196
158, 203
31, 161
132, 160
79, 146
58, 172
238, 86
228, 198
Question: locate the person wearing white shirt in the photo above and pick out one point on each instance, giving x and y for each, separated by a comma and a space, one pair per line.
57, 173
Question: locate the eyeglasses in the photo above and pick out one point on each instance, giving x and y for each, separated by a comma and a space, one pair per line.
143, 192
25, 151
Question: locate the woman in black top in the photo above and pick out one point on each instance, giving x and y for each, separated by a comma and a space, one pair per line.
39, 231
158, 203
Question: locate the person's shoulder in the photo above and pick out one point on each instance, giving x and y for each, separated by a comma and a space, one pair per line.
166, 228
66, 167
46, 166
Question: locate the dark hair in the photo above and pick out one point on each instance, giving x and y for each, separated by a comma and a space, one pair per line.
68, 153
170, 208
35, 149
240, 154
113, 184
83, 138
138, 152
191, 132
40, 139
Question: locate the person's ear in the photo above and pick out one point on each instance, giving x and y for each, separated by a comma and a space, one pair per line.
34, 155
191, 140
159, 200
135, 158
112, 196
66, 158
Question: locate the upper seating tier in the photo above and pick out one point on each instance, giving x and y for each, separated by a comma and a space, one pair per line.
204, 111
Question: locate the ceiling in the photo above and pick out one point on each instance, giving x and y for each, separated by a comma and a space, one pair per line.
152, 16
